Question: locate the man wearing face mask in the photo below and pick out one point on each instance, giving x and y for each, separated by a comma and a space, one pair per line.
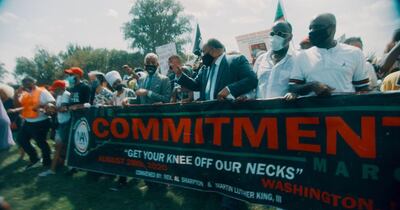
328, 67
274, 67
34, 101
122, 96
153, 87
80, 91
79, 94
222, 76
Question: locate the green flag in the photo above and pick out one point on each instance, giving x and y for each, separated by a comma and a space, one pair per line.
279, 16
197, 42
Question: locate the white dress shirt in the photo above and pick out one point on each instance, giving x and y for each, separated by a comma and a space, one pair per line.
273, 79
212, 77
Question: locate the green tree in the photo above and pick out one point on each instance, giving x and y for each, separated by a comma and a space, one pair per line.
3, 71
101, 59
44, 67
155, 23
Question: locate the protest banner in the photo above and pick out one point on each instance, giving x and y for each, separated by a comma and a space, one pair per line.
339, 152
250, 44
164, 52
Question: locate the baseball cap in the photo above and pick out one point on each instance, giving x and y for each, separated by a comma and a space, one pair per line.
74, 70
58, 84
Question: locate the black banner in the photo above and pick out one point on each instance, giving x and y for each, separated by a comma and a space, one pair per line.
339, 152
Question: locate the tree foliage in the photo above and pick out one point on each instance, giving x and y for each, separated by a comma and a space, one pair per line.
47, 67
3, 71
43, 67
155, 23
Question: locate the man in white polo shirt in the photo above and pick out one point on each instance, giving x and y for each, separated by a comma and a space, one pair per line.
328, 67
274, 67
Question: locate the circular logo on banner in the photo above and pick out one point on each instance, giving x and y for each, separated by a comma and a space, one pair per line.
81, 136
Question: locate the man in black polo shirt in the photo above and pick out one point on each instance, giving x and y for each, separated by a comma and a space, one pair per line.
80, 92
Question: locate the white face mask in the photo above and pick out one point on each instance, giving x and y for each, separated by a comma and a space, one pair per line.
277, 42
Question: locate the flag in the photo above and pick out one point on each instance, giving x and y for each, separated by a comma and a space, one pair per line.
198, 41
279, 15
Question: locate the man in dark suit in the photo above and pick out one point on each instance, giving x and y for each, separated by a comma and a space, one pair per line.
153, 87
222, 76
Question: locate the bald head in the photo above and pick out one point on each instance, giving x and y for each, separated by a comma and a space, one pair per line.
282, 26
322, 30
324, 19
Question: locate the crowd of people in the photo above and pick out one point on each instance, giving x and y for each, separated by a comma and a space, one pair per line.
321, 67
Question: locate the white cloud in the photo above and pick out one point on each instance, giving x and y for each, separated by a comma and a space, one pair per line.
25, 24
8, 17
246, 20
112, 13
77, 20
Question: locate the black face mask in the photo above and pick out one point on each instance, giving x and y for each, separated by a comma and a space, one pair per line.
319, 37
119, 87
207, 59
151, 69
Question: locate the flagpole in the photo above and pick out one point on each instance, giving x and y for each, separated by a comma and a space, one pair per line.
286, 18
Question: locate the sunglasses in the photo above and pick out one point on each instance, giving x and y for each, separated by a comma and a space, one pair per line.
279, 33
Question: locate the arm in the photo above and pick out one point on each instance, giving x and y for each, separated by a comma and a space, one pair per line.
190, 98
173, 96
84, 97
390, 58
190, 83
361, 76
17, 96
165, 95
300, 87
248, 79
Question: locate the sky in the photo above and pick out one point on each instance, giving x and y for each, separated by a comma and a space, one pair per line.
53, 24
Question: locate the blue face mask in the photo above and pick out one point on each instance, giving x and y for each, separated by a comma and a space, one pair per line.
71, 80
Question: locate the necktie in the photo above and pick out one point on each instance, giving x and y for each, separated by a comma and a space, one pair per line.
148, 84
209, 81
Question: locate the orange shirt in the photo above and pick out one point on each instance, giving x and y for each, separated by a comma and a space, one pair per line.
31, 103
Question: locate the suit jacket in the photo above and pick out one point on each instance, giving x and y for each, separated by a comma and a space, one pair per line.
160, 87
234, 72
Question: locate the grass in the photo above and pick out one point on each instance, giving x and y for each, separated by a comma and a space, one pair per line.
25, 190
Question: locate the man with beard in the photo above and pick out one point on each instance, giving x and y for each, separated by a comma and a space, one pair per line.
328, 67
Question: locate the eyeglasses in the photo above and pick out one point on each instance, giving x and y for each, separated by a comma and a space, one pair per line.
279, 33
